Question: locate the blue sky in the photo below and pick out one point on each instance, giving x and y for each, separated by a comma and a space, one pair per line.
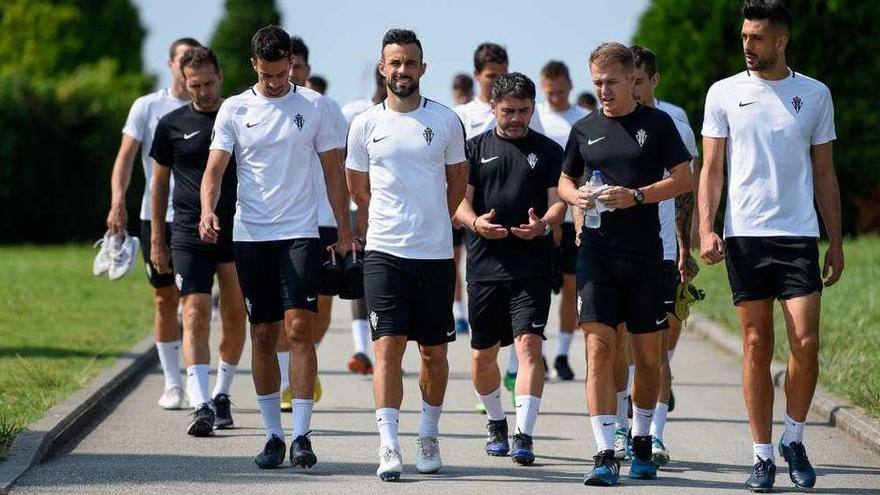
344, 36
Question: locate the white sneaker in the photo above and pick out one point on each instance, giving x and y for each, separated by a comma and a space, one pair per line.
428, 455
102, 260
173, 398
122, 256
390, 464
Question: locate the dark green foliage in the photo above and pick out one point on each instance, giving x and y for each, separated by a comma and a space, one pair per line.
232, 40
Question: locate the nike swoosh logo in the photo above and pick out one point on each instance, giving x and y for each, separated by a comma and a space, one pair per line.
661, 321
487, 160
538, 325
310, 299
191, 134
607, 424
450, 333
741, 104
594, 141
376, 140
249, 125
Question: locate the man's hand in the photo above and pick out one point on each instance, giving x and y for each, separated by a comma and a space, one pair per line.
484, 227
585, 197
687, 267
833, 264
117, 220
617, 197
160, 257
711, 248
343, 242
528, 231
209, 227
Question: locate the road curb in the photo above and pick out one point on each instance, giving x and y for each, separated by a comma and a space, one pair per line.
41, 437
833, 409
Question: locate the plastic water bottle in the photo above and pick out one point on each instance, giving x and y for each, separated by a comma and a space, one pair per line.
592, 217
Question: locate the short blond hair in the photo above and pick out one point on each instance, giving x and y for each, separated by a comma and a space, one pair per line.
612, 52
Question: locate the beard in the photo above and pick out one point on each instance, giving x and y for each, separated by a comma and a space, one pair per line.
761, 65
402, 93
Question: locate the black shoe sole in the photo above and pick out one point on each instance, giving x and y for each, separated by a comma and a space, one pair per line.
269, 465
200, 429
304, 460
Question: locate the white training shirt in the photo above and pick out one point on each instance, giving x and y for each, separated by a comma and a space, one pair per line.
325, 211
406, 155
770, 127
141, 123
275, 141
476, 116
354, 108
557, 126
674, 111
666, 207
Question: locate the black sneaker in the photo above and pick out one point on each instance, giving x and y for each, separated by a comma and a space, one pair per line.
522, 453
222, 412
799, 468
202, 423
301, 454
763, 476
496, 438
272, 455
563, 370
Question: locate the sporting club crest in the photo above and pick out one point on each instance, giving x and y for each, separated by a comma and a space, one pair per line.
533, 159
374, 320
641, 137
429, 135
299, 120
797, 103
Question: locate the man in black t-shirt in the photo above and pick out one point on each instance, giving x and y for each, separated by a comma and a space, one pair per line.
510, 206
619, 267
180, 145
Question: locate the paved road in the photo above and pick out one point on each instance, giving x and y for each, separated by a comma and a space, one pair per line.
139, 448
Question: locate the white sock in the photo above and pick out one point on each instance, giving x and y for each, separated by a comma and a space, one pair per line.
512, 361
642, 421
429, 424
631, 373
302, 416
225, 374
169, 358
763, 451
284, 369
197, 384
459, 311
527, 413
603, 431
794, 431
270, 410
564, 342
660, 412
492, 403
388, 421
669, 354
622, 421
360, 333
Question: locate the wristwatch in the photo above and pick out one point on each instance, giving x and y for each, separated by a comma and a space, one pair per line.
547, 227
639, 196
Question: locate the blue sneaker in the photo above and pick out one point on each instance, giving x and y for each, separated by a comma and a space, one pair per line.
461, 326
642, 467
522, 453
799, 468
496, 438
605, 472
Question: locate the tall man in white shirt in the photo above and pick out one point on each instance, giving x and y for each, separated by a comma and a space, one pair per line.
406, 164
138, 132
775, 128
274, 128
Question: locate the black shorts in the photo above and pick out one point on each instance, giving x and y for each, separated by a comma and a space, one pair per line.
157, 280
457, 236
671, 279
194, 269
615, 289
772, 267
410, 297
566, 253
499, 311
278, 275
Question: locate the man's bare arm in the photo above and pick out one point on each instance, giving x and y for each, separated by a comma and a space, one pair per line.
160, 188
709, 194
456, 185
209, 194
337, 193
120, 178
827, 194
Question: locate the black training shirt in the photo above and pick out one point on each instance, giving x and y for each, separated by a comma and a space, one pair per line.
181, 142
510, 176
631, 151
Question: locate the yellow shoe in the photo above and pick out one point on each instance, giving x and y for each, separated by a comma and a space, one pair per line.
286, 400
317, 395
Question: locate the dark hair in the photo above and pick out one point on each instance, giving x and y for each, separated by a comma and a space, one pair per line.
489, 53
555, 69
513, 84
270, 43
643, 57
463, 82
190, 42
771, 10
586, 99
401, 37
199, 57
612, 52
318, 83
298, 47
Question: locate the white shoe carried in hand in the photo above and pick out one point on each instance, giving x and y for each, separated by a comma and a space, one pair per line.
390, 464
101, 265
173, 398
428, 458
122, 255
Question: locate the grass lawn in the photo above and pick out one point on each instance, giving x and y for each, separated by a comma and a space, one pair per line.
60, 326
850, 343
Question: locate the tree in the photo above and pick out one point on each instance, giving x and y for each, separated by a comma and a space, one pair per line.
836, 41
232, 39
